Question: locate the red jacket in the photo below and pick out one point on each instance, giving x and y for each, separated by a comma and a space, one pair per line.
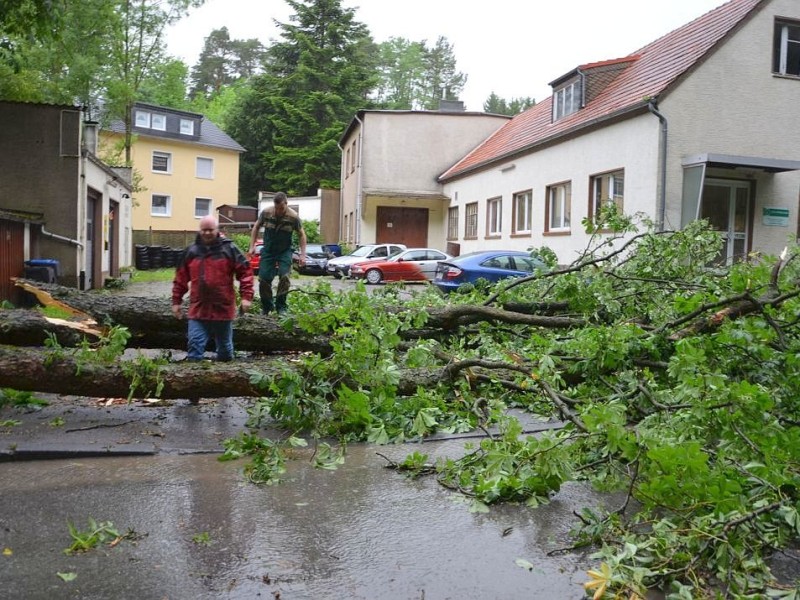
210, 270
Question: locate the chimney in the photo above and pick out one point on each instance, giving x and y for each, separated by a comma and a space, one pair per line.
451, 105
90, 136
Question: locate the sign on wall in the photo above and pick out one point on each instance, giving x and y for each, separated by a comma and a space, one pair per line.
774, 216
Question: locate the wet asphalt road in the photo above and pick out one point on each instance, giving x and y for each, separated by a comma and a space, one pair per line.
202, 531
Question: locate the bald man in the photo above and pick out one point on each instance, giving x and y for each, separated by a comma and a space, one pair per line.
207, 269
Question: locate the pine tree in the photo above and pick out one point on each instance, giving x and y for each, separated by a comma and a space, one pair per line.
316, 77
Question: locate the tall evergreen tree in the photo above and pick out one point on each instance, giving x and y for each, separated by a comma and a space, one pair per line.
224, 61
500, 106
402, 73
316, 77
442, 81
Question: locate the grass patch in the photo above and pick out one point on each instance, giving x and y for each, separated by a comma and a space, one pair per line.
166, 274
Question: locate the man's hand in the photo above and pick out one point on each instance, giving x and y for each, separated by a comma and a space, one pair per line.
176, 310
246, 305
302, 260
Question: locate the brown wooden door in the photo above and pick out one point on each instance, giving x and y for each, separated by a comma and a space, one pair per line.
12, 259
402, 225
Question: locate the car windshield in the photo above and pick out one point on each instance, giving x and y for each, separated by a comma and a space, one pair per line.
362, 251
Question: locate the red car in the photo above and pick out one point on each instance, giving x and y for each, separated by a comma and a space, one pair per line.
414, 264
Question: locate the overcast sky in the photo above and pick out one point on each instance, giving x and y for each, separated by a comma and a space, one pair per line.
513, 48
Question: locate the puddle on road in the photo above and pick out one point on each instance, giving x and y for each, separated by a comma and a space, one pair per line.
360, 532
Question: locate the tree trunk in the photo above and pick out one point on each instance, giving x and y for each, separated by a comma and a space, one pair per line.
36, 370
152, 324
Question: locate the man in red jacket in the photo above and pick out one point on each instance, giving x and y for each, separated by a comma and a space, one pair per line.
207, 269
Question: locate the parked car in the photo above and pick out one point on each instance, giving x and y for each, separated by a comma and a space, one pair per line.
340, 267
414, 264
491, 265
317, 256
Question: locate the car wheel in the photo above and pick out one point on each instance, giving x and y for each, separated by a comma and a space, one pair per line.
374, 276
337, 274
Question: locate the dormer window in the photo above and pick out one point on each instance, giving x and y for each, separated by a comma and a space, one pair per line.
187, 127
566, 100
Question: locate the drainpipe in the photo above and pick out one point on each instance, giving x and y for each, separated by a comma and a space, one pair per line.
661, 209
61, 238
359, 182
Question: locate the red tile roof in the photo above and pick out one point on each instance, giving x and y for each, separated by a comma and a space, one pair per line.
652, 71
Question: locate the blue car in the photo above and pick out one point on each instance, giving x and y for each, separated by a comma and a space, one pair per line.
491, 265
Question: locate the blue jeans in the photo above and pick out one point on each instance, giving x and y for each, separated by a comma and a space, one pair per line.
201, 331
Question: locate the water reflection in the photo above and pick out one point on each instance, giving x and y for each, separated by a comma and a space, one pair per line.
360, 532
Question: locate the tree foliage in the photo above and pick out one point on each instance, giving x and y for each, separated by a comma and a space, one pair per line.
414, 76
290, 117
500, 106
223, 62
675, 382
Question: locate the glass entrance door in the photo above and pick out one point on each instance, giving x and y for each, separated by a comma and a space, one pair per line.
726, 206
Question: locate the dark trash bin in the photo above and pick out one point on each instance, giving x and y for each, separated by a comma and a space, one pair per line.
45, 270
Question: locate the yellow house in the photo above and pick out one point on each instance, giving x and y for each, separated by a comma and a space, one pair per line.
188, 167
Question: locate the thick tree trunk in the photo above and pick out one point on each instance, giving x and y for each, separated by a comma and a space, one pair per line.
152, 324
37, 370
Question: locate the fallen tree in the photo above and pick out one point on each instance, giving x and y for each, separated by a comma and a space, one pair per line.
678, 383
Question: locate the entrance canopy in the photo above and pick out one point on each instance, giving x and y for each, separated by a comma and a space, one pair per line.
694, 174
731, 161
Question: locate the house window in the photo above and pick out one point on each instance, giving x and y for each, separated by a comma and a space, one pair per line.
347, 164
559, 200
353, 162
786, 51
158, 122
162, 162
202, 207
161, 206
566, 100
452, 223
471, 221
187, 127
494, 217
204, 168
523, 203
142, 119
608, 188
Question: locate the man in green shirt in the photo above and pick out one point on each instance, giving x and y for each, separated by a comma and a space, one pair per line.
279, 223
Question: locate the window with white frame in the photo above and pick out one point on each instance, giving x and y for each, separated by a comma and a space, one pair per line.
158, 121
162, 162
471, 221
452, 223
187, 127
202, 207
523, 204
494, 217
566, 100
204, 168
160, 205
607, 188
559, 201
142, 118
786, 50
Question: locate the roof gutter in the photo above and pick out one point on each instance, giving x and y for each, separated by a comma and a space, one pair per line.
661, 208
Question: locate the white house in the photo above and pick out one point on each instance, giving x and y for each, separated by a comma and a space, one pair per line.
701, 123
